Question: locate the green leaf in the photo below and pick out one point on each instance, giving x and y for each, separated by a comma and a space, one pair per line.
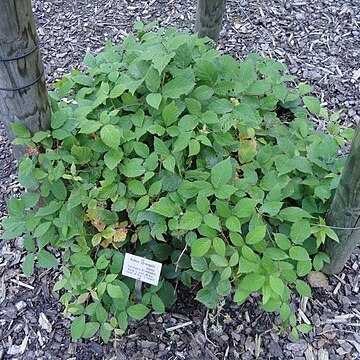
165, 207
111, 136
49, 209
115, 291
245, 207
233, 224
82, 154
284, 165
271, 207
117, 91
202, 203
190, 220
259, 87
303, 288
169, 163
304, 328
112, 158
208, 296
223, 287
256, 235
282, 241
89, 126
42, 229
294, 214
182, 141
203, 92
141, 149
161, 148
19, 130
28, 264
30, 199
303, 267
136, 187
83, 80
298, 253
222, 173
221, 106
276, 285
154, 100
219, 260
225, 191
240, 295
275, 253
207, 71
300, 231
194, 147
200, 247
177, 87
313, 104
194, 106
46, 260
91, 329
138, 311
59, 118
157, 304
132, 167
81, 260
170, 113
199, 263
212, 221
77, 327
252, 282
152, 79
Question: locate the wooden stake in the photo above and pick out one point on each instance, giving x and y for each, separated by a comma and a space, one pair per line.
24, 99
345, 212
209, 15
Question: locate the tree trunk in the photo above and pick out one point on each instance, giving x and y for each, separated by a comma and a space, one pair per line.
209, 15
23, 96
345, 211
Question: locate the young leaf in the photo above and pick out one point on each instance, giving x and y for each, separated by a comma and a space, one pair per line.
115, 291
298, 253
154, 100
28, 264
303, 288
256, 235
190, 220
177, 87
222, 173
200, 247
313, 104
77, 327
165, 207
46, 260
138, 311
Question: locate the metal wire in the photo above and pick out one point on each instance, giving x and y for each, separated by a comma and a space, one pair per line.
18, 57
25, 86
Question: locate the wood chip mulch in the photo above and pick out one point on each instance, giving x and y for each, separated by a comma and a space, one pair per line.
320, 42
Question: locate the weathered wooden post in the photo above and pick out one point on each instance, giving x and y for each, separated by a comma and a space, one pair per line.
344, 213
23, 96
209, 15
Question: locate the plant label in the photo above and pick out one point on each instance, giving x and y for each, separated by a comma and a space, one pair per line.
142, 269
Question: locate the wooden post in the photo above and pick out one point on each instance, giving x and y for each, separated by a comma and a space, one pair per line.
209, 15
344, 211
23, 96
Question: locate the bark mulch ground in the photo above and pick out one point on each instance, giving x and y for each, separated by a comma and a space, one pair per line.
320, 42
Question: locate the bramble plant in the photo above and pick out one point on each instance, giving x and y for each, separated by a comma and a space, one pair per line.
169, 150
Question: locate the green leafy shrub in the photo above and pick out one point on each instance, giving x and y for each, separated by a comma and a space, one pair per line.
171, 151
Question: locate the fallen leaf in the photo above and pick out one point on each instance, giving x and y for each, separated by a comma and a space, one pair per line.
318, 279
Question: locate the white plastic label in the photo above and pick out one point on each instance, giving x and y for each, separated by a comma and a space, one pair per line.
142, 269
